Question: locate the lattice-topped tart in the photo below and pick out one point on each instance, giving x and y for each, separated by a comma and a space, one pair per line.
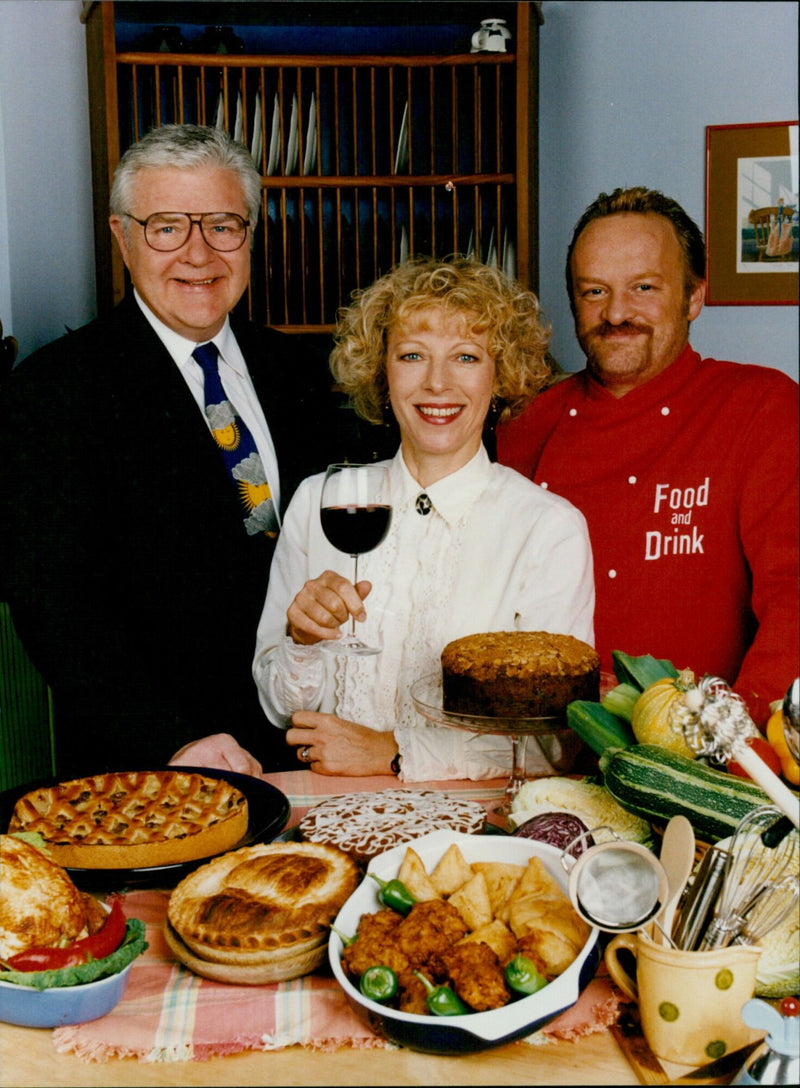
134, 819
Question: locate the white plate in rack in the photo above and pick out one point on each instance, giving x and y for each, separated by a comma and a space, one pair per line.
255, 146
401, 156
275, 139
403, 245
237, 127
291, 147
491, 251
310, 157
509, 257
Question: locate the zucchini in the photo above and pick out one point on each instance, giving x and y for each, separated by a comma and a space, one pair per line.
657, 784
598, 727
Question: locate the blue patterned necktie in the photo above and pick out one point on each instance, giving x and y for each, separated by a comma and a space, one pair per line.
238, 448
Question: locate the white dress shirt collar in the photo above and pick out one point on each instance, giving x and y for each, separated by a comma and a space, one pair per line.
181, 348
452, 496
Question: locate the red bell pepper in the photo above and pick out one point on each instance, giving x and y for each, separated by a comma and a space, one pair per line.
764, 750
96, 947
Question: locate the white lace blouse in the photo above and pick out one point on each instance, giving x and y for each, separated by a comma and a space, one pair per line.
495, 553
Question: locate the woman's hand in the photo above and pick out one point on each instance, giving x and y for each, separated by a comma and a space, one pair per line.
337, 746
221, 752
323, 605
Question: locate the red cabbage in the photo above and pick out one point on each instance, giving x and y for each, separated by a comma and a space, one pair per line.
557, 829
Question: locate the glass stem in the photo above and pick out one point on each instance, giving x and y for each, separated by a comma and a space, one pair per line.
355, 583
518, 746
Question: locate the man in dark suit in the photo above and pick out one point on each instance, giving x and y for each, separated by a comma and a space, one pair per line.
135, 566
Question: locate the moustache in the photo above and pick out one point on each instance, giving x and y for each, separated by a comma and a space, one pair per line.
606, 329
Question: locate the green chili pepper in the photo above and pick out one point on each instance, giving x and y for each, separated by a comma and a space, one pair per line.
345, 940
522, 975
394, 895
441, 1000
378, 983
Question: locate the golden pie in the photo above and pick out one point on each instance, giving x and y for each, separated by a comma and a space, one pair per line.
39, 904
134, 819
261, 913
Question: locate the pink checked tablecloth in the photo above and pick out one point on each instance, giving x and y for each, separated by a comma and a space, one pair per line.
170, 1014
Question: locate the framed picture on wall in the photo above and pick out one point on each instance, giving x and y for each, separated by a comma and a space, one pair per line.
752, 209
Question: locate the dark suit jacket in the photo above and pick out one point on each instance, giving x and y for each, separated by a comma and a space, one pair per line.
131, 580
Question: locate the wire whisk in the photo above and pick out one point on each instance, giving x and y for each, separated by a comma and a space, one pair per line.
769, 910
753, 873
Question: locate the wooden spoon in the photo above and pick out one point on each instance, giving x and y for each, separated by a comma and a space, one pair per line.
677, 858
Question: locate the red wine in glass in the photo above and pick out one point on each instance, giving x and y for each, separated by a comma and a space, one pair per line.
356, 529
355, 514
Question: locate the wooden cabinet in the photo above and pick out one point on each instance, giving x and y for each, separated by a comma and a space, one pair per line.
366, 155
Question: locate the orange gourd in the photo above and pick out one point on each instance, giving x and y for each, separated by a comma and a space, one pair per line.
654, 719
790, 769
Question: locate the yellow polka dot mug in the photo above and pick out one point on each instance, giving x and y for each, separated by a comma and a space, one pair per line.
690, 1003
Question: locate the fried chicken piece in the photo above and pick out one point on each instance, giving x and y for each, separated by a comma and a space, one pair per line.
529, 947
413, 995
375, 943
477, 976
428, 931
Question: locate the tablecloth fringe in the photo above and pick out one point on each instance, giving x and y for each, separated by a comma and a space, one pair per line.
66, 1041
355, 1042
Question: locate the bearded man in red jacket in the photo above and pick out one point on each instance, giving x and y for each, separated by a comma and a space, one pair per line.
685, 468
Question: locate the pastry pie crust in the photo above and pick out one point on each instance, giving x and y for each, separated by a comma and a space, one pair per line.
261, 903
134, 819
292, 962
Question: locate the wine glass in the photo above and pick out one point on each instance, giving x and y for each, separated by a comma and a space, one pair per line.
355, 513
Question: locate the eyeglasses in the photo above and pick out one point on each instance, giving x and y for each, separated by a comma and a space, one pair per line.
168, 231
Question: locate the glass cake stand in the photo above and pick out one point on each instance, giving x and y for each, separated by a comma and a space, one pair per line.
558, 745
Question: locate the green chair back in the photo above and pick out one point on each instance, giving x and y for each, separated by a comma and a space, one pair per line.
27, 749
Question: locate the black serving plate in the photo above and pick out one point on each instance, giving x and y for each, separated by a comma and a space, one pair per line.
268, 812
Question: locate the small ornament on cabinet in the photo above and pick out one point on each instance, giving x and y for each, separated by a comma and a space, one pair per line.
491, 37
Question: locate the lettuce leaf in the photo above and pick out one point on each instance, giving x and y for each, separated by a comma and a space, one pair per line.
33, 838
133, 944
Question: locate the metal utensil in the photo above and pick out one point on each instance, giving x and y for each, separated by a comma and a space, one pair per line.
791, 719
677, 857
750, 868
697, 908
617, 886
774, 904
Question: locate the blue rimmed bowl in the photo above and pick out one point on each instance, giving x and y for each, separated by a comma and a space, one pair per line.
61, 1005
479, 1030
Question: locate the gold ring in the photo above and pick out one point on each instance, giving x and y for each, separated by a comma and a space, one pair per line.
304, 753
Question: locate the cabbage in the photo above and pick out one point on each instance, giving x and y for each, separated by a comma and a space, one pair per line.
778, 972
589, 801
